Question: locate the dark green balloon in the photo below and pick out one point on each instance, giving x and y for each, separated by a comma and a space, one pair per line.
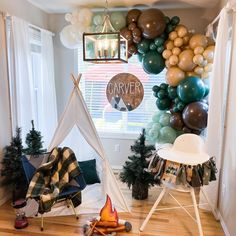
161, 94
176, 100
167, 19
163, 104
143, 46
140, 56
180, 106
152, 46
164, 36
163, 86
191, 89
159, 41
169, 28
175, 109
155, 94
156, 88
172, 92
153, 63
175, 20
160, 49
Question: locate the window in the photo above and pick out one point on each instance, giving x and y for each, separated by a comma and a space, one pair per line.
107, 119
36, 66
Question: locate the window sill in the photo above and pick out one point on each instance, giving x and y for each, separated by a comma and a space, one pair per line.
124, 136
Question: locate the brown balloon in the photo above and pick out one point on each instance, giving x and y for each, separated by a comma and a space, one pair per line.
152, 23
176, 121
186, 130
126, 33
132, 49
137, 32
195, 115
137, 39
133, 15
132, 26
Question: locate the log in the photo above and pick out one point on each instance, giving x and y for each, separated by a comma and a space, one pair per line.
107, 224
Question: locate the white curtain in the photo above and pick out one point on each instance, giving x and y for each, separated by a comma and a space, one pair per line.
48, 107
220, 100
21, 76
5, 119
31, 99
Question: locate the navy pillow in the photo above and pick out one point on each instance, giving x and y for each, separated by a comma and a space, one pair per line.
89, 171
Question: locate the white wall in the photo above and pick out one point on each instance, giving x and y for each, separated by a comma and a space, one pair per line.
25, 10
65, 59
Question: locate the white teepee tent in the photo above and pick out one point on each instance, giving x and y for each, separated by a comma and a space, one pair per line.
76, 115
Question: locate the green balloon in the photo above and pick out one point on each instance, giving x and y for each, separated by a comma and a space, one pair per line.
162, 94
157, 127
180, 106
118, 20
140, 56
191, 89
152, 46
163, 104
165, 119
98, 19
164, 36
153, 133
160, 49
156, 116
155, 88
167, 135
143, 46
159, 41
175, 20
169, 28
153, 63
167, 19
207, 90
149, 125
172, 92
163, 86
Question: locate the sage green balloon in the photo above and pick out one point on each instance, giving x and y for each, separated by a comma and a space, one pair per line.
165, 119
118, 20
167, 135
156, 116
98, 19
157, 127
153, 134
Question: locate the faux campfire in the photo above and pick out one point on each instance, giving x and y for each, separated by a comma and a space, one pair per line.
107, 223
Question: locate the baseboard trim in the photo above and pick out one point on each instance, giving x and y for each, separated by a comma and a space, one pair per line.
224, 226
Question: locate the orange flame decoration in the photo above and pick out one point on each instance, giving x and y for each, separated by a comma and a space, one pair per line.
107, 214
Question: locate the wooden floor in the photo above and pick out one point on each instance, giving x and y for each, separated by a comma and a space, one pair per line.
163, 223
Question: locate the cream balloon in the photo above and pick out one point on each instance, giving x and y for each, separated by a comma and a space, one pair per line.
198, 59
208, 67
198, 70
176, 51
186, 60
191, 73
173, 60
198, 40
85, 16
181, 30
166, 53
178, 42
174, 75
204, 63
208, 54
205, 75
69, 37
167, 64
198, 50
169, 45
68, 17
173, 35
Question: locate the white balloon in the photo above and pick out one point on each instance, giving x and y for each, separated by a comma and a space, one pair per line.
68, 17
75, 12
85, 16
70, 37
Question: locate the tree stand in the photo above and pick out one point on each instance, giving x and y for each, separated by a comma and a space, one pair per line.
139, 191
165, 191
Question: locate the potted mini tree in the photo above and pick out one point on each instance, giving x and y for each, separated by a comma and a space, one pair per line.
34, 142
12, 170
133, 173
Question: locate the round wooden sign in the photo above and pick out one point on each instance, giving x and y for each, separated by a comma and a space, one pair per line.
125, 92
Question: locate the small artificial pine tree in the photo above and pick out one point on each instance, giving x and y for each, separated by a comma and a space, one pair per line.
34, 142
12, 170
133, 171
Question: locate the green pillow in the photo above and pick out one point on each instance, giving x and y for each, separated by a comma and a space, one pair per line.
89, 171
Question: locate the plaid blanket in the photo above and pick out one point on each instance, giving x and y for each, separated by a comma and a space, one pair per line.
52, 177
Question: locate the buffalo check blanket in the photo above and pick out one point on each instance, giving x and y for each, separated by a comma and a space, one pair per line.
54, 176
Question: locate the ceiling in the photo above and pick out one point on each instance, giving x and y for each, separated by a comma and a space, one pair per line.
63, 6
